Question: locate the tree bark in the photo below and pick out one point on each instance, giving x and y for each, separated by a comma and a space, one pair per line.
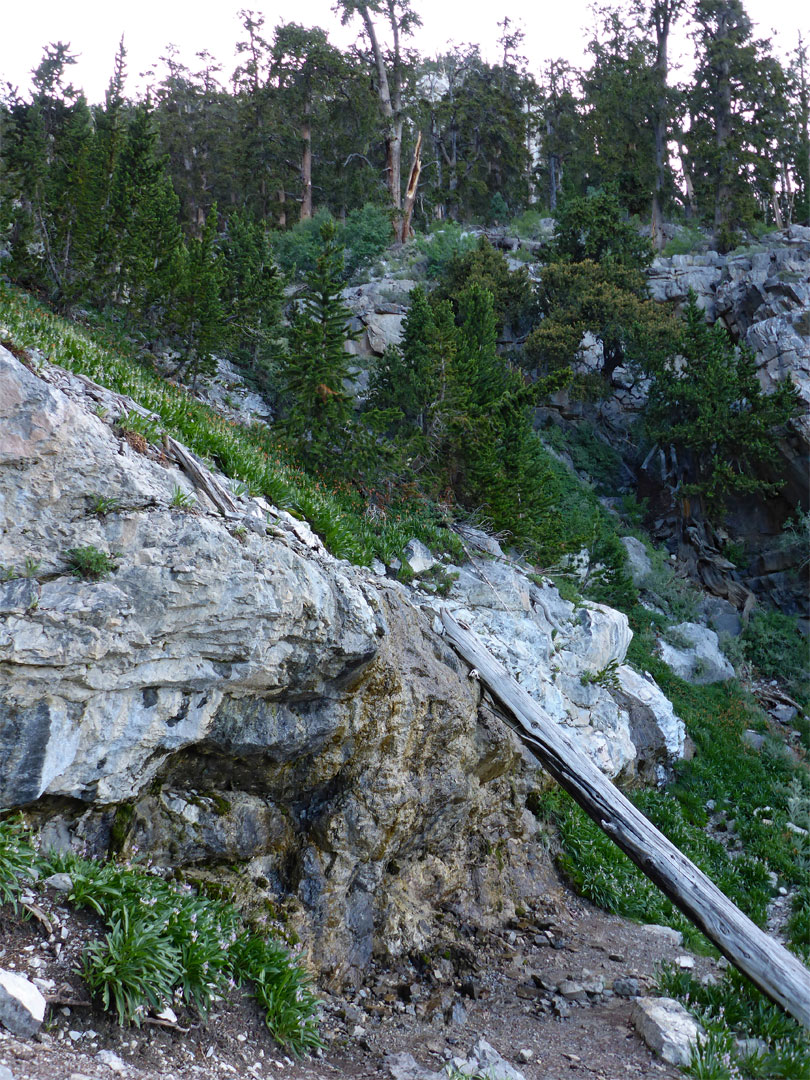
778, 973
306, 160
663, 13
390, 105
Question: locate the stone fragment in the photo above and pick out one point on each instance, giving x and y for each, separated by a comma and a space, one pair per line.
667, 934
667, 1028
626, 987
112, 1061
22, 1006
6, 1073
59, 882
484, 1060
404, 1066
419, 557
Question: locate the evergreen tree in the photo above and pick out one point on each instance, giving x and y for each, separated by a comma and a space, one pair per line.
144, 241
252, 293
198, 311
317, 407
706, 403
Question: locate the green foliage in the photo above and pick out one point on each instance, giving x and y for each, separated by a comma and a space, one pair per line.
105, 504
366, 234
512, 293
89, 563
706, 402
182, 500
165, 943
16, 860
442, 245
774, 645
313, 376
594, 228
298, 249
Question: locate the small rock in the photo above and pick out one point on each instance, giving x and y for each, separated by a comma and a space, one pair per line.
112, 1061
404, 1066
59, 882
626, 987
667, 1028
485, 1060
22, 1007
685, 962
471, 988
525, 1055
418, 557
617, 957
753, 739
572, 991
749, 1047
665, 933
6, 1073
456, 1015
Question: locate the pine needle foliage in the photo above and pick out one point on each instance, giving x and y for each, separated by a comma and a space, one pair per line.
706, 401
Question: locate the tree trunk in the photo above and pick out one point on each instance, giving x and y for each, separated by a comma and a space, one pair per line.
410, 192
306, 161
391, 108
722, 199
662, 14
778, 973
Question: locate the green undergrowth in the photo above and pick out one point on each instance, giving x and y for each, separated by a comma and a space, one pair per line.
251, 456
165, 945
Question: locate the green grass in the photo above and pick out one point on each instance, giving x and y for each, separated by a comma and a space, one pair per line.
163, 943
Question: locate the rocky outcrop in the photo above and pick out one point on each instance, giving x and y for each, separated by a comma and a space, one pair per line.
762, 295
230, 696
571, 659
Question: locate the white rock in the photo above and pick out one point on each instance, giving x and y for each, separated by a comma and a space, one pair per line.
665, 933
667, 1028
112, 1061
59, 882
22, 1006
419, 557
700, 660
485, 1060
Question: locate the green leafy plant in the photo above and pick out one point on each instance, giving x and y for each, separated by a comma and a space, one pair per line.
104, 504
17, 858
91, 564
182, 500
608, 676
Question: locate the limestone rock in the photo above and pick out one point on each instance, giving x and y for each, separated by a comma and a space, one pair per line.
638, 561
22, 1006
419, 557
697, 657
548, 646
658, 735
667, 1028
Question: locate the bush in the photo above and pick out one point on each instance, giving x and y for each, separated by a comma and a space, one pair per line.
442, 244
90, 563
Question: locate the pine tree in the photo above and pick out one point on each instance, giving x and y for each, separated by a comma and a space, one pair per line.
144, 241
706, 402
198, 309
312, 378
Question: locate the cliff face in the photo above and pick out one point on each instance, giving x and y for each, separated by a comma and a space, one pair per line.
231, 697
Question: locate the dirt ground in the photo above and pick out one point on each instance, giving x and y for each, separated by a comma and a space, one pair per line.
507, 986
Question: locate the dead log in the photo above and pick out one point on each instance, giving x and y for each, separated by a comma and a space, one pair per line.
777, 972
202, 478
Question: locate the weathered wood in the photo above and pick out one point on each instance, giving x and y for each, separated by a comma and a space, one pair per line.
201, 477
777, 972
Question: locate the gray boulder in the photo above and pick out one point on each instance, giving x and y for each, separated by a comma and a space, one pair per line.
667, 1028
693, 653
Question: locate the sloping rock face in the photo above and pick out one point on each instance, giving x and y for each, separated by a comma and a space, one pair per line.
233, 700
231, 696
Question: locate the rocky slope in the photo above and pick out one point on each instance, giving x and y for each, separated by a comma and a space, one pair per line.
233, 701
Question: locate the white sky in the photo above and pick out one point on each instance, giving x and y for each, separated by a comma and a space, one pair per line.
94, 27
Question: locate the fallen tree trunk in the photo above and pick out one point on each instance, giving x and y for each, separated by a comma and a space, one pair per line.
777, 972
